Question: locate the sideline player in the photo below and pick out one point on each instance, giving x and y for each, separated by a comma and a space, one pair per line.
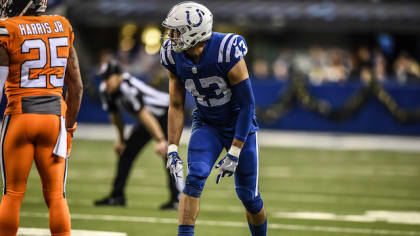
211, 67
122, 92
37, 58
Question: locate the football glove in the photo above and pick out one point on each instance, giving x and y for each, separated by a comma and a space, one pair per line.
226, 166
174, 164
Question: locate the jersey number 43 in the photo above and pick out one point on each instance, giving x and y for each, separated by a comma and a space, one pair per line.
214, 92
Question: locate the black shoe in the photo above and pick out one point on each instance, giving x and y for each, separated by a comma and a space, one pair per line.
111, 201
172, 205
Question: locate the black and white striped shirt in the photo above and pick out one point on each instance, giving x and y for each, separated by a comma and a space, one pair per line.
132, 95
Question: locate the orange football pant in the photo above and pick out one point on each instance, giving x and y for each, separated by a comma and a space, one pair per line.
25, 138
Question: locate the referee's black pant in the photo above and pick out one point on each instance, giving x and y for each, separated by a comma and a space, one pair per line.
139, 137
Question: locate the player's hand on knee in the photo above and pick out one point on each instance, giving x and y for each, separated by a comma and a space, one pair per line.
119, 148
174, 164
227, 166
161, 148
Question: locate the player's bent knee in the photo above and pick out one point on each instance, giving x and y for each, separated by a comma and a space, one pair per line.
194, 186
252, 205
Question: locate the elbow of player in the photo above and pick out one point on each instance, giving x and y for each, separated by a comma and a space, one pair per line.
244, 94
77, 88
176, 107
74, 86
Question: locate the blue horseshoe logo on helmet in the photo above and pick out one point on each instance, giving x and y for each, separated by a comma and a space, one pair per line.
199, 14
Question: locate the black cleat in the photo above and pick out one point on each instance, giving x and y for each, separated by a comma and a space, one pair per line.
172, 205
111, 201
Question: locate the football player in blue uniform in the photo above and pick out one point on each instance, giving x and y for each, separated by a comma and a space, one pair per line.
211, 67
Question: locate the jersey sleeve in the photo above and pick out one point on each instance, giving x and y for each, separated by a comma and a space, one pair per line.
70, 29
71, 36
107, 103
140, 99
4, 35
167, 57
232, 49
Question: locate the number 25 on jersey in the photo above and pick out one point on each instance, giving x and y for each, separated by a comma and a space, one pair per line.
55, 63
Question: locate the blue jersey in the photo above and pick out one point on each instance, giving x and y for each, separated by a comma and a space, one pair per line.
207, 80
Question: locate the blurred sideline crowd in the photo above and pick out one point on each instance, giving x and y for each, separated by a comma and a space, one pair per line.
322, 65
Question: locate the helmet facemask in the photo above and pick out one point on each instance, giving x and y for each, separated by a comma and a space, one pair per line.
175, 40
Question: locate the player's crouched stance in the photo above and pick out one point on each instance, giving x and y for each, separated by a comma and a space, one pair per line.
210, 66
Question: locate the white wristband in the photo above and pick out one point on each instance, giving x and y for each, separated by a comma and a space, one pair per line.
234, 151
172, 148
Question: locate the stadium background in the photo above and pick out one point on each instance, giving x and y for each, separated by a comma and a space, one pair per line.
328, 75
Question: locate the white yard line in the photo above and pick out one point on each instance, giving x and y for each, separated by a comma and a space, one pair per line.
323, 198
46, 232
275, 138
339, 141
145, 204
396, 217
272, 226
393, 217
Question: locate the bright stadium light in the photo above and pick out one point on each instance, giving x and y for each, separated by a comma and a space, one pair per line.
151, 36
152, 49
127, 43
127, 40
151, 39
128, 30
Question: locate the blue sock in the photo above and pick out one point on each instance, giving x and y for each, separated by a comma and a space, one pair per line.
260, 230
186, 230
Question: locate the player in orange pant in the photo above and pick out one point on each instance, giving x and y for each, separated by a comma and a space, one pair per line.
37, 58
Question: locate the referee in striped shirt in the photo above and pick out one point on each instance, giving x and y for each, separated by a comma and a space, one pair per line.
121, 92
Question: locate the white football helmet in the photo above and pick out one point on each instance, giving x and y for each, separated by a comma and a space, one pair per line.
192, 22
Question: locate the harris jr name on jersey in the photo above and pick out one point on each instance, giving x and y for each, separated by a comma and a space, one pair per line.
41, 28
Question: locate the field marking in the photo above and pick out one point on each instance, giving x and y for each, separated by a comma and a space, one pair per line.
203, 207
46, 232
288, 139
393, 217
328, 198
277, 212
406, 170
235, 224
267, 173
148, 188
